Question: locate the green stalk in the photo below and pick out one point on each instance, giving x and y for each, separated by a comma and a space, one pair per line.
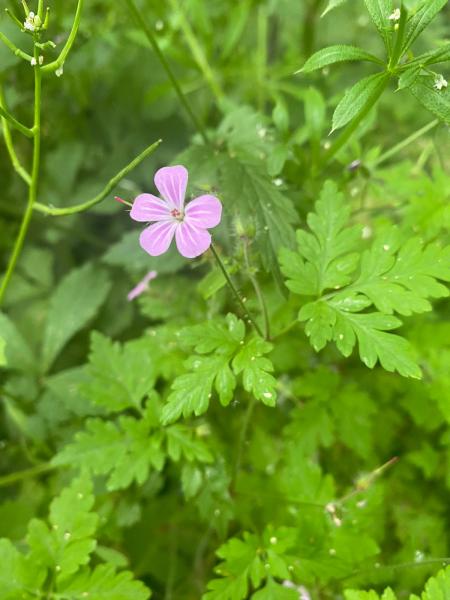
162, 59
398, 48
261, 55
409, 140
258, 292
25, 474
32, 194
10, 146
14, 49
59, 62
71, 210
235, 291
197, 51
15, 123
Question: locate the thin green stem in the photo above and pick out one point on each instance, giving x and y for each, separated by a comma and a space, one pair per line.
345, 136
154, 44
197, 51
25, 474
235, 291
398, 48
258, 292
261, 55
10, 146
14, 49
59, 62
409, 140
15, 123
32, 194
241, 442
71, 210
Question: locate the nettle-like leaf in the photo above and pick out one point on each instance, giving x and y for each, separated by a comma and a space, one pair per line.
250, 561
336, 54
119, 377
246, 186
222, 355
75, 301
60, 551
393, 276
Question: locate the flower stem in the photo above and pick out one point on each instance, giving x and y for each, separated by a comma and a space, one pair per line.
26, 474
10, 146
71, 210
258, 292
409, 140
235, 291
154, 44
15, 123
14, 49
59, 62
32, 194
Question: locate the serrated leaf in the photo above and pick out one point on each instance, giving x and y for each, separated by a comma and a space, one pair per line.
336, 54
275, 590
438, 587
379, 11
103, 583
246, 187
71, 308
125, 451
183, 442
19, 577
420, 20
358, 98
118, 377
436, 101
256, 371
17, 353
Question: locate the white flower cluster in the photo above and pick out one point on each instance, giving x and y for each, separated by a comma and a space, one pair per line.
32, 22
440, 83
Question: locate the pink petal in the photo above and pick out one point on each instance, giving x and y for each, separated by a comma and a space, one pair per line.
171, 183
191, 241
204, 212
156, 239
147, 207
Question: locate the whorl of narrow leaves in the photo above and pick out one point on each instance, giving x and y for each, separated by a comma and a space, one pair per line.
393, 275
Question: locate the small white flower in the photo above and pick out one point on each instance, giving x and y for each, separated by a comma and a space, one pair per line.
41, 60
59, 71
395, 16
33, 62
440, 83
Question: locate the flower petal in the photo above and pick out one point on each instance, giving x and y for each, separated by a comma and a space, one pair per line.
156, 239
204, 212
171, 183
147, 207
191, 241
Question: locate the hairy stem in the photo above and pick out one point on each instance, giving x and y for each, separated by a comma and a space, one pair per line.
32, 194
71, 210
235, 291
258, 292
162, 59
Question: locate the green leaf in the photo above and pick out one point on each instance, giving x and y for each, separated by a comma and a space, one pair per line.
256, 370
274, 590
17, 353
438, 587
379, 11
358, 98
125, 450
436, 101
420, 20
19, 577
103, 583
332, 4
409, 77
119, 377
3, 359
68, 543
183, 442
71, 308
325, 258
336, 54
248, 189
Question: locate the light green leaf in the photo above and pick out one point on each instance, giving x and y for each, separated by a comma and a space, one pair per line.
74, 303
436, 101
19, 577
358, 98
184, 442
119, 377
125, 450
379, 11
336, 54
103, 583
332, 4
17, 353
274, 590
3, 360
438, 587
409, 77
256, 370
420, 20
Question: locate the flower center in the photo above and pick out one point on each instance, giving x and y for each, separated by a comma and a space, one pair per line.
176, 214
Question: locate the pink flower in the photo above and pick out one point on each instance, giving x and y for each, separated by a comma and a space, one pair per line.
188, 223
142, 286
